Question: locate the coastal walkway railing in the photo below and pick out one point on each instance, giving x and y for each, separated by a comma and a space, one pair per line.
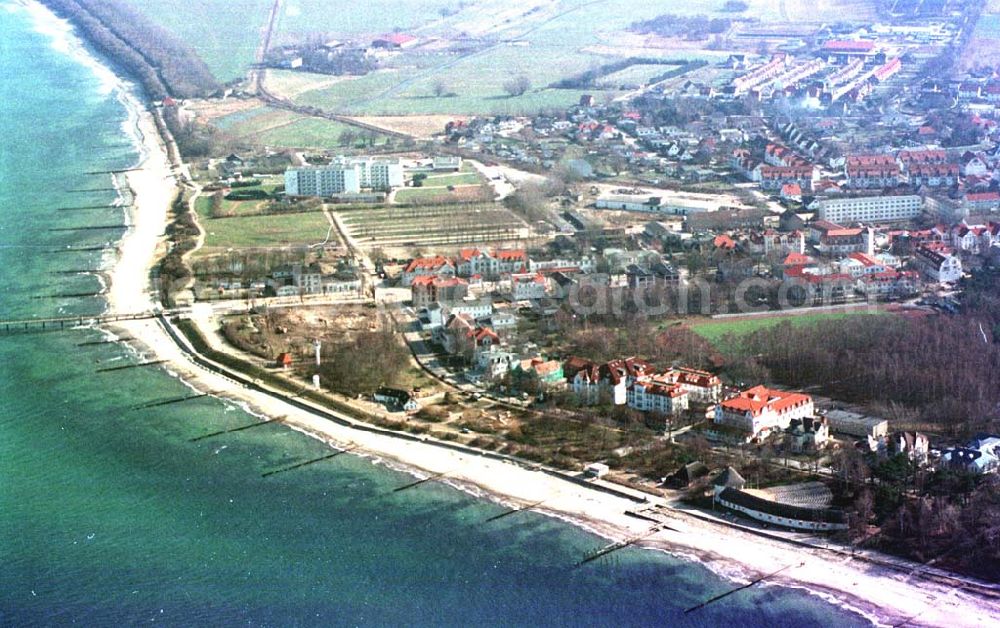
40, 325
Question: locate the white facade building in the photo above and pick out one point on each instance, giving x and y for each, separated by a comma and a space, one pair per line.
869, 208
345, 175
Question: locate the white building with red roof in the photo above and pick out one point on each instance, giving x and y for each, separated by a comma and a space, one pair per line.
437, 266
761, 410
657, 396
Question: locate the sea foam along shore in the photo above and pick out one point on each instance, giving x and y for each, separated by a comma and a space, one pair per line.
882, 595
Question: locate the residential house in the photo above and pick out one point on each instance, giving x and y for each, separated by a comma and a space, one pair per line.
528, 286
657, 275
807, 434
937, 263
981, 455
548, 372
913, 445
395, 400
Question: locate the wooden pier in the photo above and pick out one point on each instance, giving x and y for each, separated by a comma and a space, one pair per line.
38, 325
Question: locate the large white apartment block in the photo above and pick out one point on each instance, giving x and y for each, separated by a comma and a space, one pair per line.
345, 175
869, 208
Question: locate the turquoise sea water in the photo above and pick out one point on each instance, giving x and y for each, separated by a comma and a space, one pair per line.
110, 516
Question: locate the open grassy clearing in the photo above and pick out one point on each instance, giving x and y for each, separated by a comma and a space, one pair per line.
224, 33
715, 331
222, 234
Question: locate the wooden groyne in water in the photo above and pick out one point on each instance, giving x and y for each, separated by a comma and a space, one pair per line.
130, 366
306, 463
235, 429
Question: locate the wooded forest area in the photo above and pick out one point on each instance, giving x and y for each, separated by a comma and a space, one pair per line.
162, 64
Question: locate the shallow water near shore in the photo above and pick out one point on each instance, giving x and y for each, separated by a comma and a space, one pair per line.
111, 515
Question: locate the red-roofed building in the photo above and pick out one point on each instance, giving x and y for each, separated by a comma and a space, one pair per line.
776, 177
934, 175
724, 242
982, 201
528, 286
761, 410
701, 385
428, 266
887, 70
394, 40
872, 171
657, 397
791, 192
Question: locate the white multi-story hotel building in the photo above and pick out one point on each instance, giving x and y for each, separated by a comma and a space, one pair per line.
345, 175
869, 208
763, 410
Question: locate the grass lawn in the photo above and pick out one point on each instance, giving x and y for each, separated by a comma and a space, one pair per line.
444, 180
715, 331
222, 234
224, 33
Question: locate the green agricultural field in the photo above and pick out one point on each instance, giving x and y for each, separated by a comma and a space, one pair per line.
225, 33
313, 133
222, 234
715, 331
360, 17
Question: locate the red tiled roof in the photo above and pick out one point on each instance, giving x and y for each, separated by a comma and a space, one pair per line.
797, 259
397, 39
427, 263
760, 398
723, 242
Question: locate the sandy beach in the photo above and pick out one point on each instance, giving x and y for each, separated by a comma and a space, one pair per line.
153, 188
883, 595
